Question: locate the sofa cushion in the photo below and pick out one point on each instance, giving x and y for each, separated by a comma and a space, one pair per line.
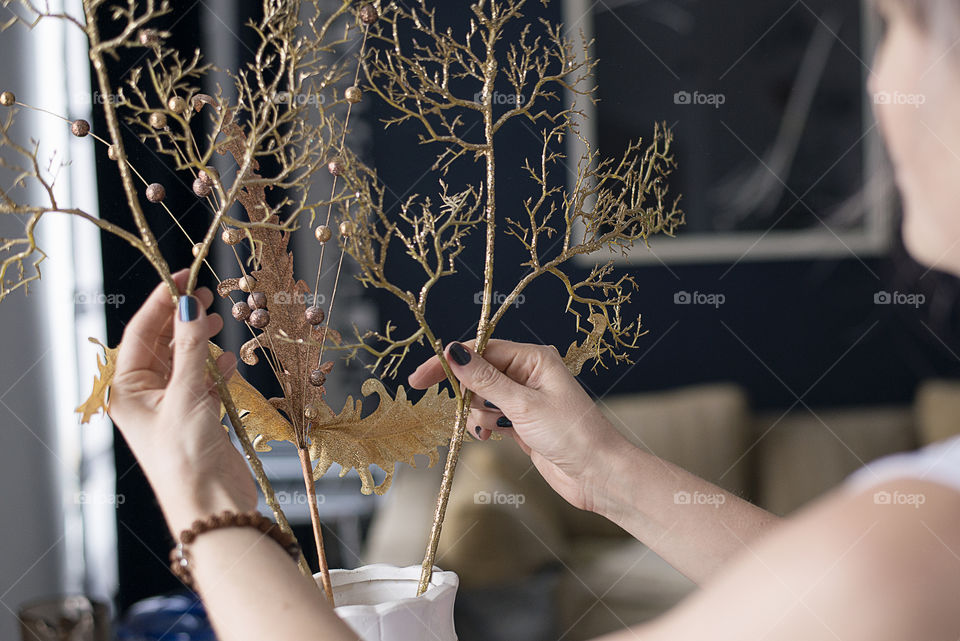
937, 410
802, 455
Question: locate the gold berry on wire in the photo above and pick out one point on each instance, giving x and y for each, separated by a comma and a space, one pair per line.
368, 14
202, 188
156, 193
208, 175
80, 128
7, 98
314, 315
335, 167
158, 120
113, 153
257, 300
353, 95
231, 236
310, 412
317, 378
323, 233
347, 228
259, 318
240, 311
196, 249
247, 283
177, 105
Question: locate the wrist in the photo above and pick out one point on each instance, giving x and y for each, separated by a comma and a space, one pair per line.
613, 485
185, 497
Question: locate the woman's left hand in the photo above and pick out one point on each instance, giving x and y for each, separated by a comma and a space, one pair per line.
167, 408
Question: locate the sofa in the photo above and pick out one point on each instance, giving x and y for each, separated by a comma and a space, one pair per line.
533, 567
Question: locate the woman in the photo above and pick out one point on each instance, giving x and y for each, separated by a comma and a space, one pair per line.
850, 567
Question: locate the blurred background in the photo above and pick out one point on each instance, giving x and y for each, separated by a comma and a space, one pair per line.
791, 339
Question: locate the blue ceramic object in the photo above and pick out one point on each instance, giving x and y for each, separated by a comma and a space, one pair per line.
178, 617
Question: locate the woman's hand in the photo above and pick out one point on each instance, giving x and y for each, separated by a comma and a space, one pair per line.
167, 408
536, 400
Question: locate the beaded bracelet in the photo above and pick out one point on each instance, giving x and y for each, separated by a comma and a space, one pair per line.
180, 556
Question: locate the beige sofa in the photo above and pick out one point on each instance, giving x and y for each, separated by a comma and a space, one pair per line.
595, 577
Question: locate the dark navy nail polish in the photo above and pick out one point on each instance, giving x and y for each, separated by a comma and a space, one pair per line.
189, 309
490, 405
503, 421
478, 430
459, 354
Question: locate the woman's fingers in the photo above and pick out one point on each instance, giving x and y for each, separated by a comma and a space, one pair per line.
191, 331
430, 371
138, 347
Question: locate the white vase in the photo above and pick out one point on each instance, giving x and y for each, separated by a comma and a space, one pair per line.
380, 603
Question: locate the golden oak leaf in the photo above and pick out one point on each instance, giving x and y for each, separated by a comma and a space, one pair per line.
260, 419
97, 401
393, 433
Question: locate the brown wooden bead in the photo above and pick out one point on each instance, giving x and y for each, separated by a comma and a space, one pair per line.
314, 315
156, 192
80, 128
347, 228
368, 14
257, 300
247, 283
231, 236
335, 167
240, 311
176, 104
353, 95
317, 378
158, 120
7, 98
201, 189
259, 318
322, 233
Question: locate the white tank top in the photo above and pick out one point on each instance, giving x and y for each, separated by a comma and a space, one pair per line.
938, 463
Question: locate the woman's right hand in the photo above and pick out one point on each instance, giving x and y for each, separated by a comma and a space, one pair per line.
553, 419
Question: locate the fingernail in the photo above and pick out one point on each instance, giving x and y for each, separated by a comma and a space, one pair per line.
189, 308
490, 405
478, 430
459, 354
503, 421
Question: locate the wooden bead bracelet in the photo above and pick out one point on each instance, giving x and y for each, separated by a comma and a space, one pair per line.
180, 556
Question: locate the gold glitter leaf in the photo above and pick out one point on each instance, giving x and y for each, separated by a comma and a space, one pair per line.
394, 432
97, 401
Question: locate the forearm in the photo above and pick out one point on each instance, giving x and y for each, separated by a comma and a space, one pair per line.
252, 590
694, 525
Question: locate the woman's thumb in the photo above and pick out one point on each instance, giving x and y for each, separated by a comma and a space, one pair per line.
190, 349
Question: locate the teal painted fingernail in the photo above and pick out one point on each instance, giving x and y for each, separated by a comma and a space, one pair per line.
189, 308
